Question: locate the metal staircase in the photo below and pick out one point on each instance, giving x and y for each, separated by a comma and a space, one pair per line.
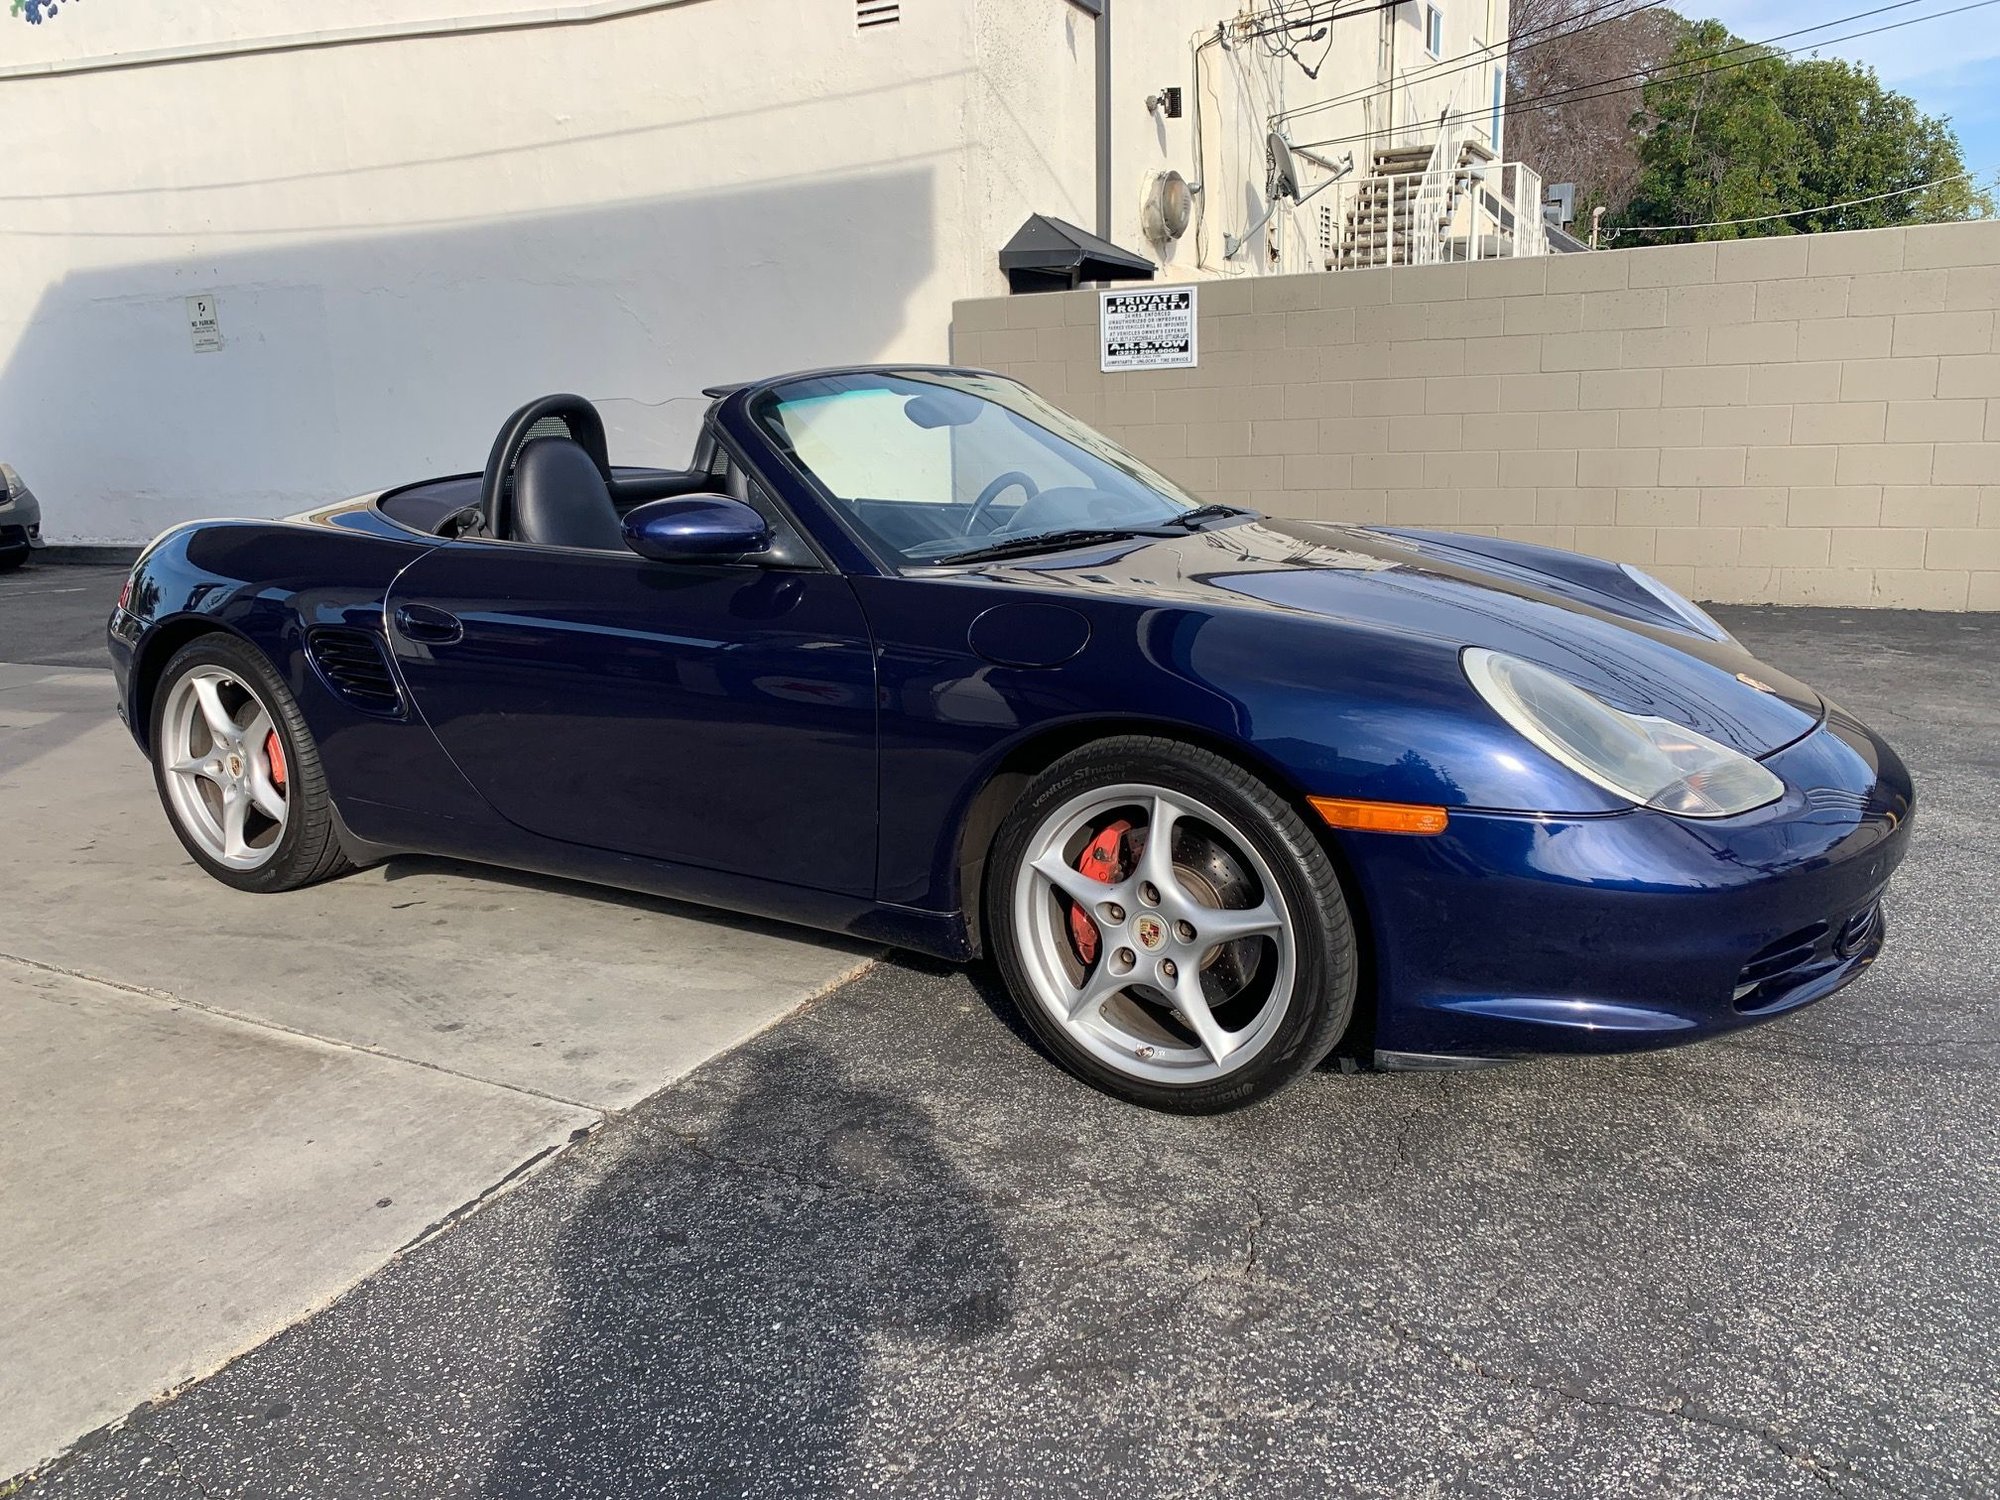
1402, 213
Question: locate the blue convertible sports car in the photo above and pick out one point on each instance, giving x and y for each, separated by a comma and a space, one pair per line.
910, 654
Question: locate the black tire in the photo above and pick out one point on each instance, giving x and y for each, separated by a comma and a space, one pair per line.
11, 560
309, 850
1322, 1000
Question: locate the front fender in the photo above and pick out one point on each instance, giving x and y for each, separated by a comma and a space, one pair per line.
1322, 708
1355, 711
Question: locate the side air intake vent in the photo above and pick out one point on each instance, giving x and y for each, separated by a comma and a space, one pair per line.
872, 13
352, 663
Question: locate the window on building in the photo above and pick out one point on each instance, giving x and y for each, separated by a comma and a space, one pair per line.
1434, 31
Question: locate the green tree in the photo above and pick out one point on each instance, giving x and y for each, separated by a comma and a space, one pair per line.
1728, 130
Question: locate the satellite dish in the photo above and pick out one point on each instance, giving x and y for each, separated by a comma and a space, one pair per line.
1284, 167
1284, 184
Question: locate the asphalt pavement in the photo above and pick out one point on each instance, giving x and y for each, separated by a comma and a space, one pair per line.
886, 1248
54, 616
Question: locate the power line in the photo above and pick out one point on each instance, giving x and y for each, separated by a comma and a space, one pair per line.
1604, 88
1626, 80
1281, 22
1603, 14
1796, 213
1641, 74
1549, 31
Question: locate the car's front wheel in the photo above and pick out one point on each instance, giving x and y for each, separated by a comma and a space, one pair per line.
238, 772
1169, 926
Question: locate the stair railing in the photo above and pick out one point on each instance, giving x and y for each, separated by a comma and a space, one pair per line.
1436, 195
1531, 233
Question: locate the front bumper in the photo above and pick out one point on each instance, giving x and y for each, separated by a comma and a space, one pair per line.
20, 520
1508, 935
121, 641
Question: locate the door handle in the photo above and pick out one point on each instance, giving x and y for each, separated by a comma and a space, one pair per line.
427, 623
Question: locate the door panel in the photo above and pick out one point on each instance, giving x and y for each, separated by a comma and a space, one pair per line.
716, 716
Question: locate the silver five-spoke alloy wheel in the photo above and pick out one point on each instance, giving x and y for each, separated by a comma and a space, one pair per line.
1193, 963
225, 768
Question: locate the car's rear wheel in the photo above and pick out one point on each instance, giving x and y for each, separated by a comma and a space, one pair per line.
1169, 926
238, 772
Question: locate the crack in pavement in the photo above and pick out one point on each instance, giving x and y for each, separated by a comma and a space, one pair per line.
168, 997
1827, 1471
1256, 1223
176, 1462
1680, 1409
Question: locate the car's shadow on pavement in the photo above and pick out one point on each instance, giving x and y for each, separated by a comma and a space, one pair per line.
409, 866
721, 1290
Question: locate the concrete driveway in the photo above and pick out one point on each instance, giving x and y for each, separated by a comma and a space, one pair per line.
218, 1111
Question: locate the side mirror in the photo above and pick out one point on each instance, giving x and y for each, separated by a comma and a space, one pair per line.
695, 528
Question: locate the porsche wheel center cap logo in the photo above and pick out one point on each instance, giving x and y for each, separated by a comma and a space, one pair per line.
235, 765
1151, 933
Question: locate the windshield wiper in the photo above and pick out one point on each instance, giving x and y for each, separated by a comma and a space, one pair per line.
1043, 541
1193, 518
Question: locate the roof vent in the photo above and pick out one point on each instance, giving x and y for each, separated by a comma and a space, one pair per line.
872, 13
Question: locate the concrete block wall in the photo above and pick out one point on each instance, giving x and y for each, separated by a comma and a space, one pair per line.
1810, 419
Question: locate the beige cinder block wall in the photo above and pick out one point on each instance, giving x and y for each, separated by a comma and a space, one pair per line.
1811, 419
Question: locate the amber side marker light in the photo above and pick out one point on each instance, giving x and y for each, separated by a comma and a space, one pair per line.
1379, 817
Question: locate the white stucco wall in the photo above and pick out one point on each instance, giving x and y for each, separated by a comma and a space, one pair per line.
406, 239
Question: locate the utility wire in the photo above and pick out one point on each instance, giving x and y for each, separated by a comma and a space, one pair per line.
1284, 20
1603, 88
1334, 13
1796, 213
1515, 47
1625, 80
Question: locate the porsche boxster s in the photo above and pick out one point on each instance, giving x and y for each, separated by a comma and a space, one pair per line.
909, 653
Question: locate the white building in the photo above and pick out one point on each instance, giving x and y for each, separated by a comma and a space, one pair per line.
407, 221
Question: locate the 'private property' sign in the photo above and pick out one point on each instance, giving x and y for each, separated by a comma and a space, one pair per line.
1151, 330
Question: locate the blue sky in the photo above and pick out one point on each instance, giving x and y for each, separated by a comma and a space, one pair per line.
1949, 66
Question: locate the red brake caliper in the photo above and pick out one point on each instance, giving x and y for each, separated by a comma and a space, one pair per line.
274, 754
1099, 860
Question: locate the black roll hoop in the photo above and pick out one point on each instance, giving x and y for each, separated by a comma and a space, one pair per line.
586, 428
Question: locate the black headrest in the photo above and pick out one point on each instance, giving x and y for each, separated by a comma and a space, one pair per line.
561, 499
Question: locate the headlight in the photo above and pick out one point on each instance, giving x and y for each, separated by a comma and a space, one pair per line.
1647, 760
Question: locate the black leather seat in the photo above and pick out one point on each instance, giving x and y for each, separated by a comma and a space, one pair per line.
561, 500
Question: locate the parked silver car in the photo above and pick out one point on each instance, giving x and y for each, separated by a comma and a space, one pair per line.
20, 519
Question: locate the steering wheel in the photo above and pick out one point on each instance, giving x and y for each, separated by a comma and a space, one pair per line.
997, 487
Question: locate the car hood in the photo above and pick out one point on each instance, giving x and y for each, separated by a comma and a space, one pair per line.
1589, 620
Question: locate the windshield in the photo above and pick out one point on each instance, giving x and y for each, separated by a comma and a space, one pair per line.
932, 465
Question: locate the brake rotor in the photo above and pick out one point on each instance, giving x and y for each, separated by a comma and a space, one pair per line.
1210, 874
